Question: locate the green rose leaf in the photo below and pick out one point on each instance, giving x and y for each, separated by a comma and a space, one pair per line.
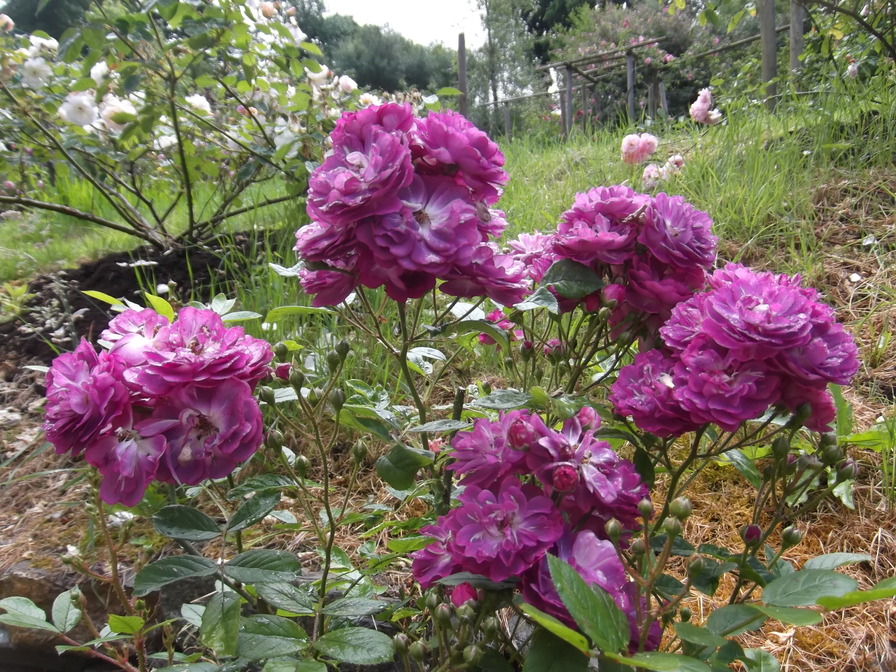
357, 646
253, 510
185, 522
267, 636
168, 570
263, 565
806, 587
592, 608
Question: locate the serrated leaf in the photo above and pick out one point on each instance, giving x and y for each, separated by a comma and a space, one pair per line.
125, 625
262, 565
835, 560
745, 466
697, 635
221, 623
540, 298
22, 612
66, 613
358, 646
881, 591
478, 326
441, 426
184, 522
192, 613
662, 662
555, 627
353, 607
286, 597
253, 509
400, 465
549, 653
571, 279
761, 661
790, 615
449, 91
168, 570
240, 316
503, 400
734, 619
806, 587
256, 484
592, 608
267, 636
406, 545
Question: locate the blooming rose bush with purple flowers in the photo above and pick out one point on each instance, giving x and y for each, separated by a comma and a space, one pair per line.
628, 361
170, 402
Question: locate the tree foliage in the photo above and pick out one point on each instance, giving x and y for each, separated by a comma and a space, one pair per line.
53, 17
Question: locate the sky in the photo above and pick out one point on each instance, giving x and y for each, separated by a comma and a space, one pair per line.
421, 21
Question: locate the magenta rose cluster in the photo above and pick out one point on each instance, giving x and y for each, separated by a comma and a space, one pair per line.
404, 203
528, 491
171, 402
651, 251
752, 341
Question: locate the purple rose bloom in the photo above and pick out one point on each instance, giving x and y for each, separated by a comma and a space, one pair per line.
829, 356
485, 455
437, 227
758, 315
86, 398
602, 226
713, 387
217, 427
436, 561
197, 348
644, 390
369, 164
656, 288
605, 485
498, 276
821, 404
678, 234
127, 460
685, 323
447, 143
502, 533
534, 251
352, 127
131, 333
330, 286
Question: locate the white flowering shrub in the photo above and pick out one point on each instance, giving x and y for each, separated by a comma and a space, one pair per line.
180, 108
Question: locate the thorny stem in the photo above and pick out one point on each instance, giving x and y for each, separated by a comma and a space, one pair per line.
127, 605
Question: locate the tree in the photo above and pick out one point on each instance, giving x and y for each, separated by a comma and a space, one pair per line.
545, 17
53, 17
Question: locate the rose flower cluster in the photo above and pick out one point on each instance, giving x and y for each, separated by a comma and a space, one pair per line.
530, 490
171, 402
405, 203
753, 340
651, 251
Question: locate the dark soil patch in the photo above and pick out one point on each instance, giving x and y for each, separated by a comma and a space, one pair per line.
59, 314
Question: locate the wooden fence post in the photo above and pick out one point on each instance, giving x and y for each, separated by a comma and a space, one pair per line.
462, 73
664, 100
653, 95
507, 119
797, 18
569, 101
563, 113
769, 50
630, 83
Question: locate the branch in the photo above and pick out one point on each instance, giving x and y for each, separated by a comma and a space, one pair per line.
149, 235
858, 18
